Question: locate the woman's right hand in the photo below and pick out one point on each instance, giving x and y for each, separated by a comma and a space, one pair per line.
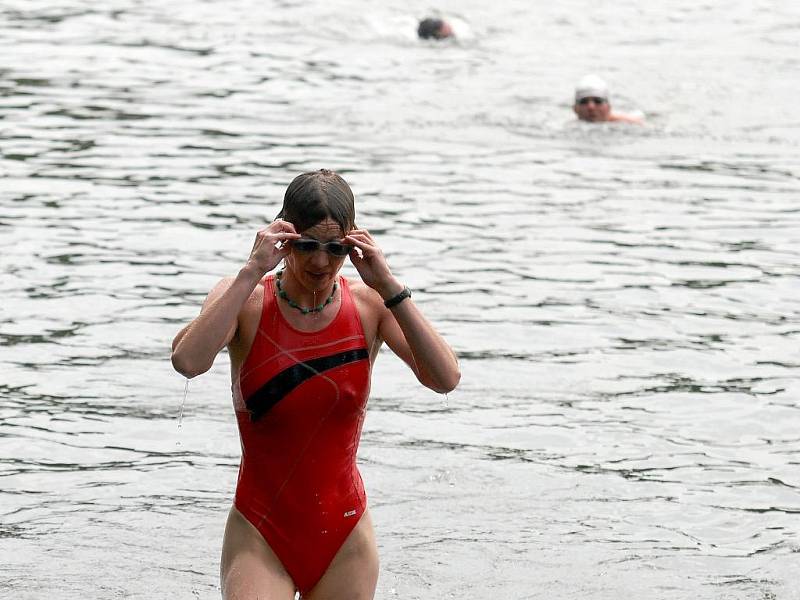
271, 246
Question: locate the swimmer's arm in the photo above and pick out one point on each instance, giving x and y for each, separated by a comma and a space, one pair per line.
411, 336
403, 327
197, 345
621, 118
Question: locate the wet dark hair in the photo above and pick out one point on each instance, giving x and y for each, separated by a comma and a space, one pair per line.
429, 28
318, 195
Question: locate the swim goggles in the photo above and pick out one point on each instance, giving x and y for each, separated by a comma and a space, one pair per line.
309, 246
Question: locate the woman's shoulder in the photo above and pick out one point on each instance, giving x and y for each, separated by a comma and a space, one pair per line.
250, 310
370, 308
248, 318
364, 294
368, 301
226, 282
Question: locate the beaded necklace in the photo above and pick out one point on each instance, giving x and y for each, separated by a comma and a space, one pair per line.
293, 304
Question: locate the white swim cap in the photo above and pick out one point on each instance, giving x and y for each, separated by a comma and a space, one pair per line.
591, 86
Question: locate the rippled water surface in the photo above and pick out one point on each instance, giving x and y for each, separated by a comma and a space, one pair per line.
623, 299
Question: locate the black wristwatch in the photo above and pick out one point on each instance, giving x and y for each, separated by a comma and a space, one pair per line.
398, 298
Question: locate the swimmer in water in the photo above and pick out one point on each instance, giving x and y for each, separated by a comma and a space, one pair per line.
302, 342
592, 103
436, 29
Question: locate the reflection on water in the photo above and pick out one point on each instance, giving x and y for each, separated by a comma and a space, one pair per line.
622, 299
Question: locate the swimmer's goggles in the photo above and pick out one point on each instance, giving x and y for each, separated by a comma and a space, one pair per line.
596, 99
309, 246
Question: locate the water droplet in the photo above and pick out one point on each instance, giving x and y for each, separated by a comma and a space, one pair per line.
183, 402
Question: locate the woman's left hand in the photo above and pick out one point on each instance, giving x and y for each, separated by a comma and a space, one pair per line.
372, 265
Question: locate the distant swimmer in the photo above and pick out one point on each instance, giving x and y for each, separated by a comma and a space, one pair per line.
436, 29
592, 103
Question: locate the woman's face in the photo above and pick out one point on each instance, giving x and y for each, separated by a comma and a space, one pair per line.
316, 270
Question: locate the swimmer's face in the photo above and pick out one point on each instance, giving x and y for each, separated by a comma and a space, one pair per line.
592, 109
315, 268
445, 31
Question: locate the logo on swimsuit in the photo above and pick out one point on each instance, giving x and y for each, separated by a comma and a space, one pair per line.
350, 513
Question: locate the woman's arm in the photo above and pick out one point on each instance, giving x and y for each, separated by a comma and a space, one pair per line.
197, 345
409, 334
404, 328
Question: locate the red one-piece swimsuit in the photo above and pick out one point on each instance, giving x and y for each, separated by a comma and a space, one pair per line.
300, 411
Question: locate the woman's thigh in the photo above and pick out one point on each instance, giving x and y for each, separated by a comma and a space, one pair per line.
249, 569
353, 572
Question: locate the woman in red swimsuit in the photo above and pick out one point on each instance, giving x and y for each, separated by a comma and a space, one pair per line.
302, 342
